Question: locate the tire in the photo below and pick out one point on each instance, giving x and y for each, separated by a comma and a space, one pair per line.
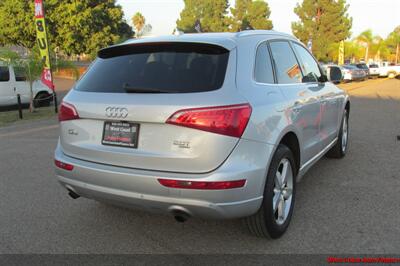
339, 150
42, 100
391, 75
266, 222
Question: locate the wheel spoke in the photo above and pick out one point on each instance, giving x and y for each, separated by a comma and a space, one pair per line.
276, 200
278, 180
281, 209
284, 174
283, 189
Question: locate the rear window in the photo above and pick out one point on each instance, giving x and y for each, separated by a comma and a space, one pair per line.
20, 74
362, 66
373, 66
157, 67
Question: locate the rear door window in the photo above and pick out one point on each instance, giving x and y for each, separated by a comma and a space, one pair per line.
263, 71
20, 74
286, 66
4, 74
157, 67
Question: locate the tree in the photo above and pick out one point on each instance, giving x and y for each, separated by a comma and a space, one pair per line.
138, 22
353, 51
393, 43
87, 26
146, 29
16, 25
210, 13
378, 48
324, 22
365, 38
250, 14
74, 26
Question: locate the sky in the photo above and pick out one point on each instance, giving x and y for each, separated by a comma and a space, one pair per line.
381, 16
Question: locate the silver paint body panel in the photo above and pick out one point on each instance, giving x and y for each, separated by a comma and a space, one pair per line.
312, 111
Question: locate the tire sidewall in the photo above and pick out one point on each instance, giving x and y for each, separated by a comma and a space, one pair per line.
276, 230
345, 116
39, 100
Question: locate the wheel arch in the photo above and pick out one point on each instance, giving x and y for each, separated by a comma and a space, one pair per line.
41, 92
291, 140
347, 107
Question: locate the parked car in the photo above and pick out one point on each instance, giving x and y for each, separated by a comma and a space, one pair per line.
390, 71
353, 73
363, 67
213, 125
332, 69
373, 70
13, 81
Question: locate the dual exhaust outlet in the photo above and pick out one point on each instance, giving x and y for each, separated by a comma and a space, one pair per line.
179, 214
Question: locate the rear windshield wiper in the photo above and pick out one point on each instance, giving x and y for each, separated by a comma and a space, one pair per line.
131, 89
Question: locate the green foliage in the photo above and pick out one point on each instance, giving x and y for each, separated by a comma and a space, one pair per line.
9, 57
250, 14
393, 44
74, 26
353, 51
138, 22
365, 37
16, 20
213, 15
379, 49
210, 13
325, 22
374, 46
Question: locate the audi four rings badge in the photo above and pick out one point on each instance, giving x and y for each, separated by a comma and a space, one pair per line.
116, 112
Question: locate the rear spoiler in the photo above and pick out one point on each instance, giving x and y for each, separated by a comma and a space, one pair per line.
153, 47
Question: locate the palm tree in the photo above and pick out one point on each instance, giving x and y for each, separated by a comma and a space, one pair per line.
138, 21
366, 39
393, 40
379, 48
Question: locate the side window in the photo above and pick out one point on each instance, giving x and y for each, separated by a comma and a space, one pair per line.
19, 74
263, 71
308, 64
4, 74
286, 66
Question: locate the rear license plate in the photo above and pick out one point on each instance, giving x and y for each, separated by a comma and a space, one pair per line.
122, 134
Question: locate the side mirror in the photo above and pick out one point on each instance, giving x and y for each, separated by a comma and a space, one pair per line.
335, 74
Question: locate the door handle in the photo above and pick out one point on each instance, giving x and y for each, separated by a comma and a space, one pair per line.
15, 89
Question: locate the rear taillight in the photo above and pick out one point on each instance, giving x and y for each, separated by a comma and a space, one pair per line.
65, 166
230, 120
202, 184
67, 112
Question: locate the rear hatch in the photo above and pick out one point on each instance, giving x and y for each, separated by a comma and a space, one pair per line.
156, 106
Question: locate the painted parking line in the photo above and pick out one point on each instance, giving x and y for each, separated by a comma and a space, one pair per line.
23, 132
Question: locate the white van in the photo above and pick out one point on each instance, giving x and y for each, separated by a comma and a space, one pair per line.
13, 81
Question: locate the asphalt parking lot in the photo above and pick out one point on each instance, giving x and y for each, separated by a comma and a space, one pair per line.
342, 206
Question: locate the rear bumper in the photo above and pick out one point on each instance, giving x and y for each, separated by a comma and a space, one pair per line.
141, 189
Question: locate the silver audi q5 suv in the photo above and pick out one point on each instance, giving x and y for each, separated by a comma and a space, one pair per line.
216, 125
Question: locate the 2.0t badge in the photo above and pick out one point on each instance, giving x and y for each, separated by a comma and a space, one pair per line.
116, 112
